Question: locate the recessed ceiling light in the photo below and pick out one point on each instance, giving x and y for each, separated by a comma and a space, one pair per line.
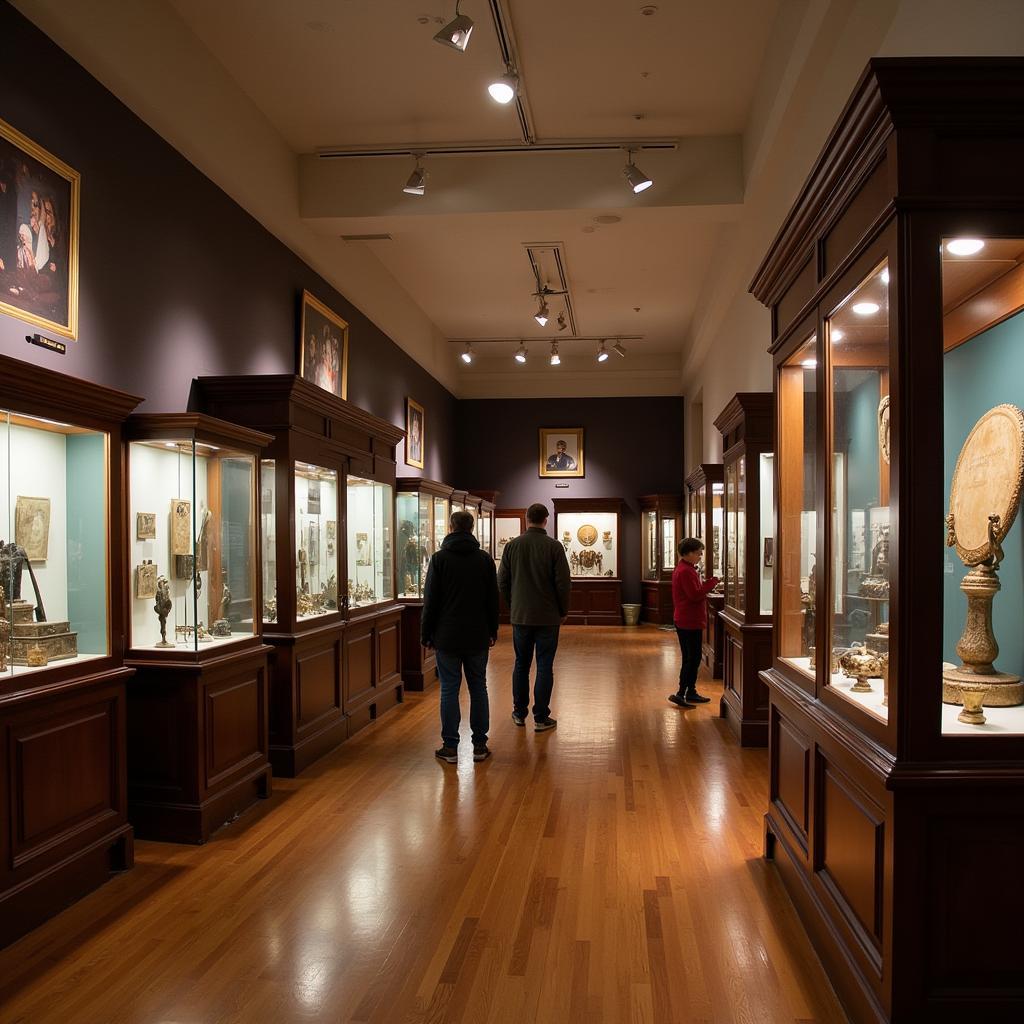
520, 356
467, 353
556, 359
504, 89
964, 246
602, 353
457, 32
865, 308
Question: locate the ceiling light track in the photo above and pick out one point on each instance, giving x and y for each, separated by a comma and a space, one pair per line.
510, 58
490, 148
537, 339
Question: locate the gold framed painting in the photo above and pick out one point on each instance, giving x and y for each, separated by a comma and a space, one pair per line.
323, 347
39, 211
561, 452
415, 430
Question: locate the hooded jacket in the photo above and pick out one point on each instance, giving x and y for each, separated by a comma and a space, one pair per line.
460, 597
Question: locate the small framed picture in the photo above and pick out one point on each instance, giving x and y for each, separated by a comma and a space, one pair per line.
415, 422
145, 526
323, 347
561, 452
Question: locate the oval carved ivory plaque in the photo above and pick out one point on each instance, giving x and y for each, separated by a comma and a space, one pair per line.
987, 481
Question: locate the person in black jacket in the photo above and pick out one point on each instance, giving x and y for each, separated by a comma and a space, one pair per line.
460, 622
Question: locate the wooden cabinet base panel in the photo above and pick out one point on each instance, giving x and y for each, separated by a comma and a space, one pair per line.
287, 761
418, 680
195, 823
26, 906
751, 732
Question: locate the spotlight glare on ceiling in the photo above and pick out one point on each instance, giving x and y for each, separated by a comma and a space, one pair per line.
467, 353
602, 353
504, 89
417, 183
520, 355
457, 32
619, 348
865, 308
638, 181
964, 246
556, 359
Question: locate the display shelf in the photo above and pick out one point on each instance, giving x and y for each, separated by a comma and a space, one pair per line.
661, 519
589, 531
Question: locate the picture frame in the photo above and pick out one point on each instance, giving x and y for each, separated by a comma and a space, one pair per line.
323, 347
32, 527
415, 428
560, 452
40, 198
145, 526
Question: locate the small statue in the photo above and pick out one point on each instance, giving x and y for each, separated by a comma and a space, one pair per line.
270, 609
13, 561
880, 554
995, 547
225, 592
162, 607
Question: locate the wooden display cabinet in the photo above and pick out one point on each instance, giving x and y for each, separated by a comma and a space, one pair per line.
705, 496
422, 524
63, 805
596, 598
894, 285
747, 465
197, 705
327, 508
661, 525
485, 521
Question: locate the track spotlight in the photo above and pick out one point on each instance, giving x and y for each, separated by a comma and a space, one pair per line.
467, 354
556, 359
457, 32
417, 183
619, 349
504, 89
520, 356
561, 322
602, 353
541, 316
638, 181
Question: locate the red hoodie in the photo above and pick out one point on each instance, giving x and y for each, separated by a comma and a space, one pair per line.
690, 597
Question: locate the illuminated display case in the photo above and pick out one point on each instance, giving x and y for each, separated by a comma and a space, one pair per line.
62, 628
508, 524
661, 524
748, 564
194, 624
705, 500
896, 287
422, 523
589, 531
330, 613
485, 522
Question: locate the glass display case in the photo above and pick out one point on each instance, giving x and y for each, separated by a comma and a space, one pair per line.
508, 524
485, 521
268, 537
316, 540
422, 517
370, 549
705, 503
457, 503
749, 566
589, 531
661, 520
192, 534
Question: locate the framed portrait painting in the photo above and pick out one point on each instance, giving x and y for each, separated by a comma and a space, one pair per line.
415, 423
561, 452
323, 347
39, 201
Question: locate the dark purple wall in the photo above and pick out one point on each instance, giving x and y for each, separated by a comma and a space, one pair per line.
631, 446
176, 279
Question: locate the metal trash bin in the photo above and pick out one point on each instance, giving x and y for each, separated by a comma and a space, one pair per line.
631, 614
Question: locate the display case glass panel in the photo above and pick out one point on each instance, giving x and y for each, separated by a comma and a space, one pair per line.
442, 512
983, 369
669, 543
268, 537
766, 519
717, 524
316, 541
53, 567
650, 545
415, 513
370, 567
192, 526
487, 530
798, 535
736, 534
506, 528
859, 624
695, 513
590, 540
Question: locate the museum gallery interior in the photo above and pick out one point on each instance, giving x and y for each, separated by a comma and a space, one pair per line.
284, 286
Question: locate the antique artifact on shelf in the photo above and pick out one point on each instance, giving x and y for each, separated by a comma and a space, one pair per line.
145, 526
876, 583
270, 609
5, 639
32, 526
972, 695
222, 626
587, 535
984, 498
181, 526
860, 665
36, 657
162, 607
883, 428
145, 580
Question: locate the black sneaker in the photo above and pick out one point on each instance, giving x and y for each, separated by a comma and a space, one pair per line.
697, 698
481, 753
449, 754
543, 724
680, 702
519, 718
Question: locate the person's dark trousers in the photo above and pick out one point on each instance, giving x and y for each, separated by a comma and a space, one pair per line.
691, 644
525, 640
449, 669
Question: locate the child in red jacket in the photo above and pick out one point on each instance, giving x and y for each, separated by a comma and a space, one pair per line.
690, 614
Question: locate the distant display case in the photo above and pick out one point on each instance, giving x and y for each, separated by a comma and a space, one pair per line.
705, 501
62, 626
661, 525
749, 560
473, 508
458, 502
589, 531
485, 521
194, 626
509, 523
327, 512
896, 290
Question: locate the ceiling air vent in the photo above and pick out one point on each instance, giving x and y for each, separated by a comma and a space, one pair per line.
366, 238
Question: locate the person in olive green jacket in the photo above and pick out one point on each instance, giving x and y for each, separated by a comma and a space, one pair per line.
534, 580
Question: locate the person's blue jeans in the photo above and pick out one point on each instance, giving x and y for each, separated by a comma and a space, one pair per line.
449, 669
526, 640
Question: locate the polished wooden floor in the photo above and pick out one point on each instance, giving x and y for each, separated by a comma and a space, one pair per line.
608, 872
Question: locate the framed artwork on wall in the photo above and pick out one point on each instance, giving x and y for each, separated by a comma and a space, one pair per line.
415, 423
561, 452
39, 200
323, 347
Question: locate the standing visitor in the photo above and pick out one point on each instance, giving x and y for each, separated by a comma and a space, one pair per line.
460, 623
690, 614
534, 580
